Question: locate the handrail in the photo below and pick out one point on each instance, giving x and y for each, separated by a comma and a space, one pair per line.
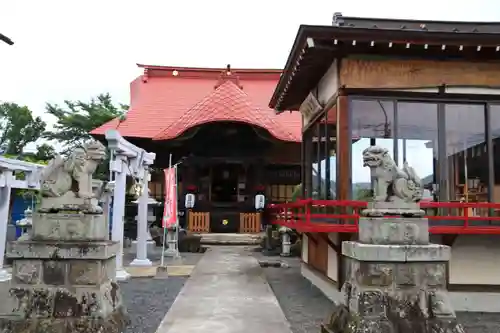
310, 215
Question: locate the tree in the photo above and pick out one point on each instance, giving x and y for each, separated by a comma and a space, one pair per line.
18, 128
76, 119
43, 153
362, 194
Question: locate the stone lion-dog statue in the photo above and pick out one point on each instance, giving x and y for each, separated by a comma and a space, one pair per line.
391, 184
67, 182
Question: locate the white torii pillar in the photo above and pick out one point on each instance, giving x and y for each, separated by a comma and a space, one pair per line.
128, 159
8, 181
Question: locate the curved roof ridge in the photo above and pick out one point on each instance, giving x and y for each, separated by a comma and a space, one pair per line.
226, 103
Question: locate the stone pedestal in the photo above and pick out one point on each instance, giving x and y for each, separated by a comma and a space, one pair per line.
395, 280
172, 250
62, 278
285, 241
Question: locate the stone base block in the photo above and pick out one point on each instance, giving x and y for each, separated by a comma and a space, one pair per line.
399, 208
398, 230
396, 297
396, 253
400, 320
62, 250
77, 273
61, 298
113, 323
69, 227
390, 276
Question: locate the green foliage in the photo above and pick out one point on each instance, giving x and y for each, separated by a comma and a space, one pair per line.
297, 193
76, 119
27, 194
44, 152
362, 194
18, 127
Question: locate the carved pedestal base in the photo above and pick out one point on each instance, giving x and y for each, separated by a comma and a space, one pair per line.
399, 208
63, 286
396, 283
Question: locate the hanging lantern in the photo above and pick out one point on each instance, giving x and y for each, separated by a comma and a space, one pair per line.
190, 200
136, 190
260, 202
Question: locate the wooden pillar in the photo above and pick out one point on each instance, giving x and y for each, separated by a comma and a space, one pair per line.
344, 172
327, 158
344, 143
319, 188
308, 159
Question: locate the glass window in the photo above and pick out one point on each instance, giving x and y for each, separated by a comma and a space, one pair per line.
495, 137
308, 162
331, 152
417, 133
372, 123
467, 161
318, 167
324, 164
278, 193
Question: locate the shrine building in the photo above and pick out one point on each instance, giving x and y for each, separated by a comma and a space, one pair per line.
427, 91
229, 144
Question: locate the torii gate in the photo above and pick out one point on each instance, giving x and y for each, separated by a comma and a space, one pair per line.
128, 159
8, 181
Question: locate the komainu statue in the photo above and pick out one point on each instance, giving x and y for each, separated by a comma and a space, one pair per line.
391, 184
67, 182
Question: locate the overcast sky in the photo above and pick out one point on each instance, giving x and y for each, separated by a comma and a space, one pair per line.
69, 49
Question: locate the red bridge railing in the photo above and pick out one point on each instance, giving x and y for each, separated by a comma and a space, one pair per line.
343, 216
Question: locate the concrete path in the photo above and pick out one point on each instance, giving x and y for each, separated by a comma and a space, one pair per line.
226, 293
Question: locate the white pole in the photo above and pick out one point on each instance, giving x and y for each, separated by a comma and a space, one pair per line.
4, 222
141, 258
118, 214
176, 216
163, 217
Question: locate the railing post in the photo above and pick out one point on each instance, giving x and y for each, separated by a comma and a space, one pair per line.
466, 216
308, 212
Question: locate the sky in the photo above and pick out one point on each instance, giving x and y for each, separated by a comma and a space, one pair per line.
77, 49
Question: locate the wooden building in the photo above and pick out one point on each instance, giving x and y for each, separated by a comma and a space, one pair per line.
217, 125
429, 92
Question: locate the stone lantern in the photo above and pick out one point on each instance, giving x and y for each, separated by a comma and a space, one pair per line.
152, 202
285, 241
25, 224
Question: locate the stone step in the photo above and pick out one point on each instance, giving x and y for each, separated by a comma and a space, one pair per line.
231, 239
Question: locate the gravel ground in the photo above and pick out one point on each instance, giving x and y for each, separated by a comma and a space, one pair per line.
306, 307
148, 300
187, 258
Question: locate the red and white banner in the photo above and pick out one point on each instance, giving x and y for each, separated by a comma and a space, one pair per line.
170, 211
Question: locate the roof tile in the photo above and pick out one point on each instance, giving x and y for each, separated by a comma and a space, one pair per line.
165, 106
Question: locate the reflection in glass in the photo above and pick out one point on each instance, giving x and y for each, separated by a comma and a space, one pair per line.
417, 133
324, 163
372, 124
495, 137
466, 152
318, 168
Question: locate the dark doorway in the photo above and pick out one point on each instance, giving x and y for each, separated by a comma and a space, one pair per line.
224, 216
225, 183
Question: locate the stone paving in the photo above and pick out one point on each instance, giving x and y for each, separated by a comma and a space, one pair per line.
227, 292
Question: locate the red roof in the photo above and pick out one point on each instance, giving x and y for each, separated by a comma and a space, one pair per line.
167, 101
